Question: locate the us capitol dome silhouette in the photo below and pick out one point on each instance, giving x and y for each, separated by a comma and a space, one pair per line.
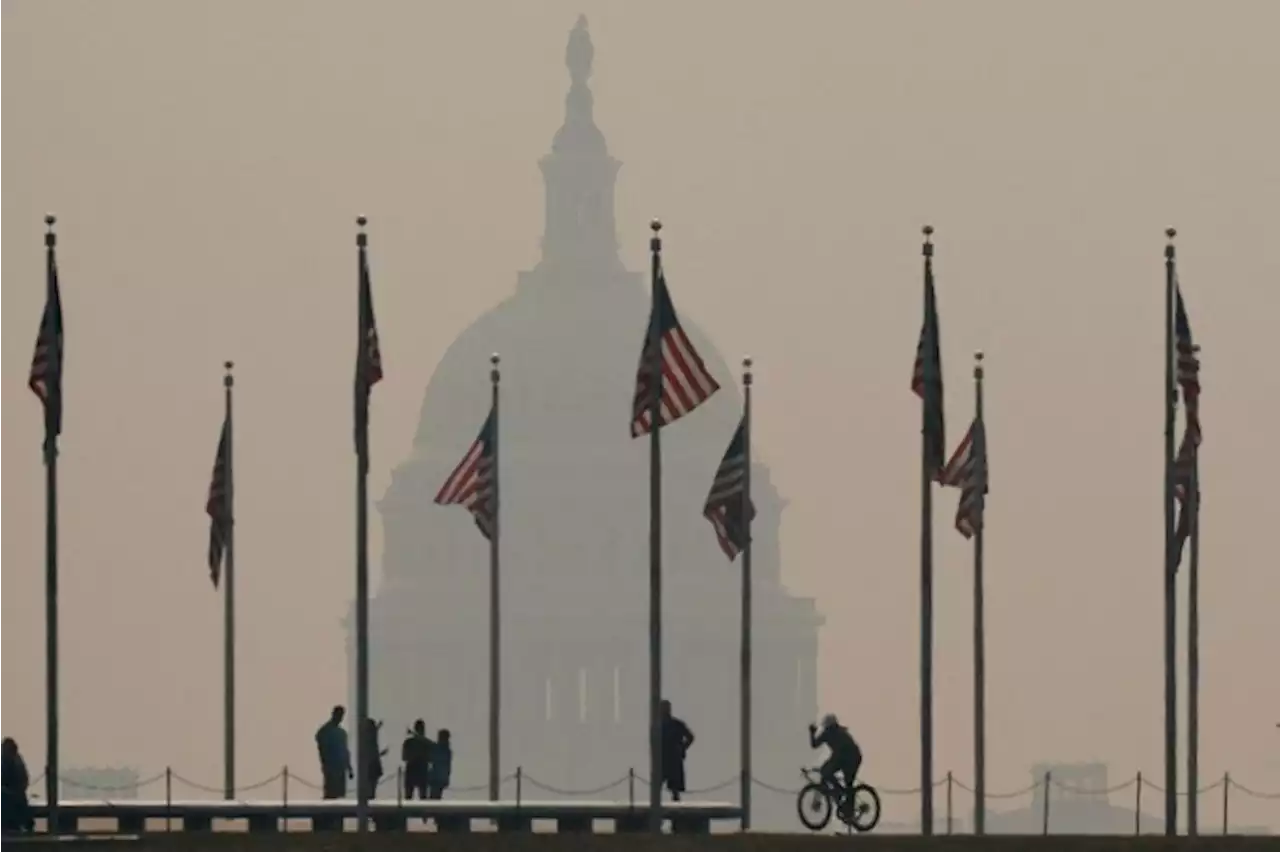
575, 534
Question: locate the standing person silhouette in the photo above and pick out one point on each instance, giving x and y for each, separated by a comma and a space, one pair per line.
17, 810
676, 739
441, 765
416, 755
371, 756
335, 755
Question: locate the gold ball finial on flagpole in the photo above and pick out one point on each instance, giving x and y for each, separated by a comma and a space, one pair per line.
50, 220
494, 360
1171, 233
746, 370
228, 379
655, 225
977, 364
362, 220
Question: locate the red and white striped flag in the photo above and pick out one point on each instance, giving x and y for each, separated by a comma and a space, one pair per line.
967, 470
474, 481
686, 382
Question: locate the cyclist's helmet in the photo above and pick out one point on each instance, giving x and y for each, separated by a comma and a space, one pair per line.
830, 720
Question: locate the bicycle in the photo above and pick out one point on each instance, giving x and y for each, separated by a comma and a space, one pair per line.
857, 807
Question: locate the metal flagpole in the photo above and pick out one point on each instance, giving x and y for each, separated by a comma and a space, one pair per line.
54, 376
362, 551
926, 593
979, 628
229, 609
1170, 559
654, 347
495, 614
1193, 649
745, 679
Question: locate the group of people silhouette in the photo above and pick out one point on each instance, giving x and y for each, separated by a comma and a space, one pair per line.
428, 763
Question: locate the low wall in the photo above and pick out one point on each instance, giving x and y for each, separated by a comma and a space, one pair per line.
419, 842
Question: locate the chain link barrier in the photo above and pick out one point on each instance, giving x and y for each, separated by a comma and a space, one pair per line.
1257, 794
519, 777
1047, 783
557, 791
1207, 789
632, 780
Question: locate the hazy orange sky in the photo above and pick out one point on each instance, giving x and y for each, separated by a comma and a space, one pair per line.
206, 162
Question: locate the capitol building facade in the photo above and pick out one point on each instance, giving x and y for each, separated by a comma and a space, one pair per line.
574, 541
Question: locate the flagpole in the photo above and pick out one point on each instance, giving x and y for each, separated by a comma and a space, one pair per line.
1193, 649
362, 556
654, 347
1170, 558
926, 596
745, 678
229, 609
979, 628
51, 546
495, 614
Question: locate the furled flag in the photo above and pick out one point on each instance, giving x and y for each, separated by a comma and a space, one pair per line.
217, 505
474, 481
727, 510
1184, 480
1188, 368
967, 470
686, 383
926, 379
368, 356
46, 363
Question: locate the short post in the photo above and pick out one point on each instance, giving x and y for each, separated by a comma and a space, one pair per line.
1048, 779
284, 798
519, 785
168, 798
1137, 807
1226, 802
631, 786
400, 787
950, 825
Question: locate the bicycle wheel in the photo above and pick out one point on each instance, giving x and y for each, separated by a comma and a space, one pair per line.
814, 806
861, 808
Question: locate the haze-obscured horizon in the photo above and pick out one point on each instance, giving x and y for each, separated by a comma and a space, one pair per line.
206, 163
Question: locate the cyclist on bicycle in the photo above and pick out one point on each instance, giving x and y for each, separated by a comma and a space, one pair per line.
845, 758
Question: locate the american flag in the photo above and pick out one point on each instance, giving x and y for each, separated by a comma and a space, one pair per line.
967, 470
686, 383
46, 363
926, 378
1188, 367
729, 507
1184, 479
474, 482
368, 355
217, 506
